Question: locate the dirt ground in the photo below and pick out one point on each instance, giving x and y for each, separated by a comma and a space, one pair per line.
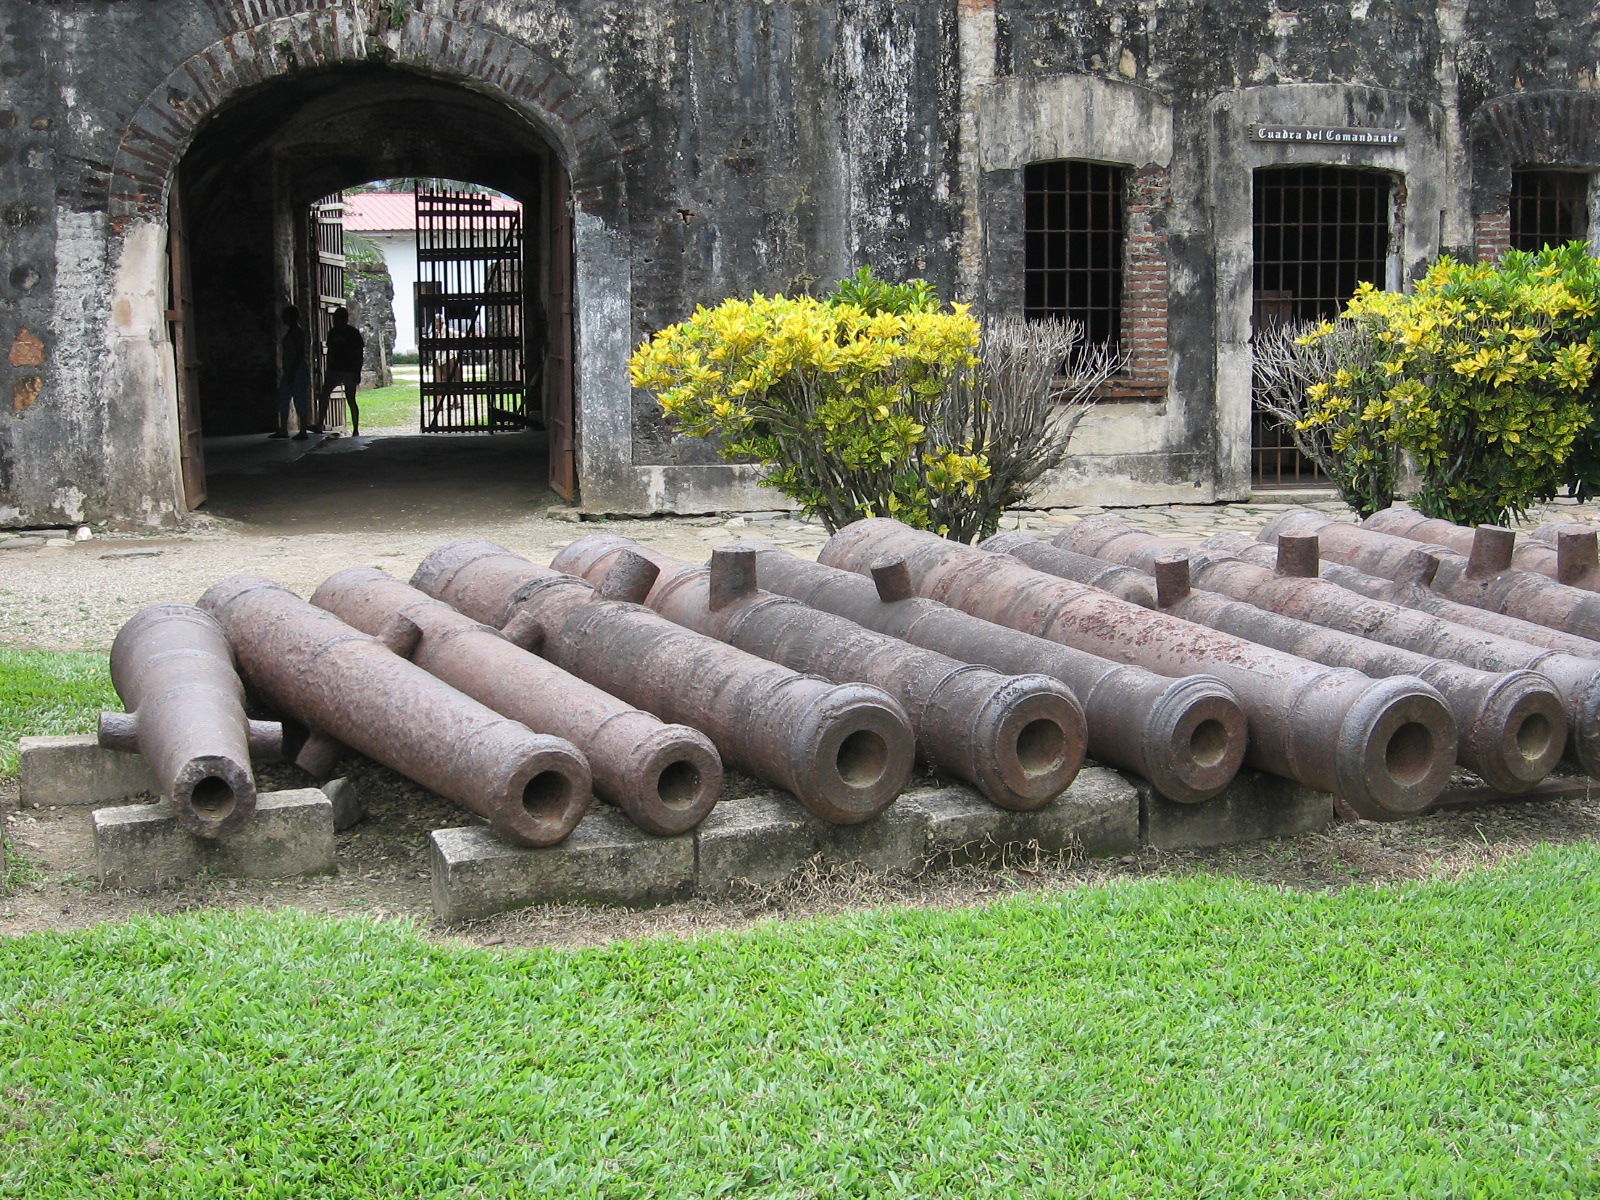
297, 513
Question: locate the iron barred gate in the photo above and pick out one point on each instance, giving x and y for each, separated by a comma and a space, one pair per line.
469, 313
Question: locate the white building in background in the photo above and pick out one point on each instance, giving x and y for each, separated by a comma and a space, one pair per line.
389, 221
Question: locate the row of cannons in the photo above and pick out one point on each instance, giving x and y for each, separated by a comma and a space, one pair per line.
1364, 661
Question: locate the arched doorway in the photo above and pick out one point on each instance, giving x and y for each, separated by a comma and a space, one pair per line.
241, 246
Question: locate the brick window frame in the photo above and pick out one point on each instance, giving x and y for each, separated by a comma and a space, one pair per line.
1140, 310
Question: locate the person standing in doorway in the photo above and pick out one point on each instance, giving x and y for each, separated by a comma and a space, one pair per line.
294, 383
342, 368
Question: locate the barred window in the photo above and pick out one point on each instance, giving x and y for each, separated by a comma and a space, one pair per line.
1073, 228
1548, 208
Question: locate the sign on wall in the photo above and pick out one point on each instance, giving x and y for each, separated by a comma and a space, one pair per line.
1326, 135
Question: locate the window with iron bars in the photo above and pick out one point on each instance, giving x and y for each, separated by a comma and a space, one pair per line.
1074, 227
1548, 208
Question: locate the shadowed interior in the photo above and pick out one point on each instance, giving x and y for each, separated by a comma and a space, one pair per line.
1041, 746
1208, 744
546, 795
1534, 736
212, 798
862, 758
678, 784
1409, 755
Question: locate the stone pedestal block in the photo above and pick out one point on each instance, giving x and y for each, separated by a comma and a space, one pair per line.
345, 796
76, 771
1098, 814
761, 840
894, 840
142, 846
1252, 807
607, 860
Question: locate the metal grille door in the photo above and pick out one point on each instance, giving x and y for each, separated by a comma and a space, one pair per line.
327, 232
1548, 208
1319, 232
469, 313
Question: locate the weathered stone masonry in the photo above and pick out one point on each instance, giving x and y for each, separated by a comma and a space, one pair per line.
713, 149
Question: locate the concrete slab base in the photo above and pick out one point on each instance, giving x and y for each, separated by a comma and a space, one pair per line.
55, 771
606, 860
139, 846
1254, 806
763, 841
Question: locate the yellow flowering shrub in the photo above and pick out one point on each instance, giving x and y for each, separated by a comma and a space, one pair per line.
840, 400
1484, 374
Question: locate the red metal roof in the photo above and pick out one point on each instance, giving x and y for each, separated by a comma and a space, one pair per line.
395, 212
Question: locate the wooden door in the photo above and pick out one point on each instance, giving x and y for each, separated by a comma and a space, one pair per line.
180, 328
560, 413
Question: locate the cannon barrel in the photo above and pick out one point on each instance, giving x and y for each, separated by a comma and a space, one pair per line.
1385, 746
352, 687
1020, 739
1186, 736
1560, 551
665, 777
1513, 722
1484, 577
1409, 592
844, 750
172, 667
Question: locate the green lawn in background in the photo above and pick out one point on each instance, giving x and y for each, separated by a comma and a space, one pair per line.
394, 405
49, 693
1195, 1037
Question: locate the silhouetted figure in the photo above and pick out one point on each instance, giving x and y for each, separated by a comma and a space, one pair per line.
294, 382
346, 349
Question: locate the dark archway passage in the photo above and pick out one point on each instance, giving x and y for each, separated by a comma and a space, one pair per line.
246, 186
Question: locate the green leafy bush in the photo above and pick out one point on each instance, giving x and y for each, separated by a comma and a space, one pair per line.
873, 401
1483, 375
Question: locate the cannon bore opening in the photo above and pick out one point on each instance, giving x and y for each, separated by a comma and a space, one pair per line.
1410, 754
1041, 746
213, 798
546, 796
1208, 744
678, 785
1534, 736
862, 759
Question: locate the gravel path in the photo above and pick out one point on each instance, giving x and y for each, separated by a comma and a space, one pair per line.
57, 593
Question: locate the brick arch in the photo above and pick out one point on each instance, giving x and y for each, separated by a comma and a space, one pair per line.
1530, 129
134, 186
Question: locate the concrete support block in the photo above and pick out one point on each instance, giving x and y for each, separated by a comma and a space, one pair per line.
1252, 807
761, 840
894, 840
607, 860
76, 771
345, 796
142, 846
1098, 814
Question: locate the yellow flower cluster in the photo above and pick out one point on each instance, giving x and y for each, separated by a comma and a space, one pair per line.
1482, 373
802, 383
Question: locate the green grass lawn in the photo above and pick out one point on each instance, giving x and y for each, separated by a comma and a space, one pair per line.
1198, 1037
394, 405
49, 693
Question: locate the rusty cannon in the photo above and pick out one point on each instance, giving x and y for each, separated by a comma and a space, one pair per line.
665, 777
355, 690
1385, 746
172, 667
845, 751
1410, 590
1512, 721
1561, 551
1019, 739
1485, 577
1186, 736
